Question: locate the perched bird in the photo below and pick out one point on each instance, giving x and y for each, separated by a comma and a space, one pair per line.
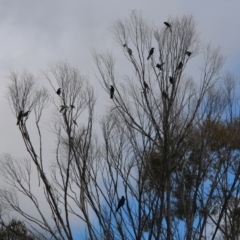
129, 51
75, 122
150, 53
179, 66
72, 106
171, 80
168, 25
160, 66
58, 91
25, 114
63, 107
165, 95
146, 85
188, 53
25, 135
111, 91
120, 203
19, 117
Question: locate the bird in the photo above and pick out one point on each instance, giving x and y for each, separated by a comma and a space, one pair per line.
75, 122
129, 51
160, 66
111, 91
58, 91
25, 114
179, 66
63, 107
146, 85
188, 53
150, 53
168, 25
120, 203
171, 80
72, 106
19, 117
165, 95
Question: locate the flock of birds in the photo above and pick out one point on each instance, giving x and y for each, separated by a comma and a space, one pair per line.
165, 95
25, 115
159, 66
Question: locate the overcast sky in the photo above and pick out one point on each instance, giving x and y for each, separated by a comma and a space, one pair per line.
34, 34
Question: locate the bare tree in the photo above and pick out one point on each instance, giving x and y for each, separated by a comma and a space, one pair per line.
169, 145
172, 174
64, 185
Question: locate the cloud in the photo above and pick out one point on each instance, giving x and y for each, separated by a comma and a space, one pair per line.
36, 33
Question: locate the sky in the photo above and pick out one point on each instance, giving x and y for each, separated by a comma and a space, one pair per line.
34, 34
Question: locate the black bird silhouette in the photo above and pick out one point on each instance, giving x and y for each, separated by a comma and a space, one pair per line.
171, 80
58, 91
129, 51
168, 25
111, 91
72, 106
63, 107
165, 95
120, 203
150, 53
188, 53
19, 116
25, 114
160, 66
146, 85
179, 66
